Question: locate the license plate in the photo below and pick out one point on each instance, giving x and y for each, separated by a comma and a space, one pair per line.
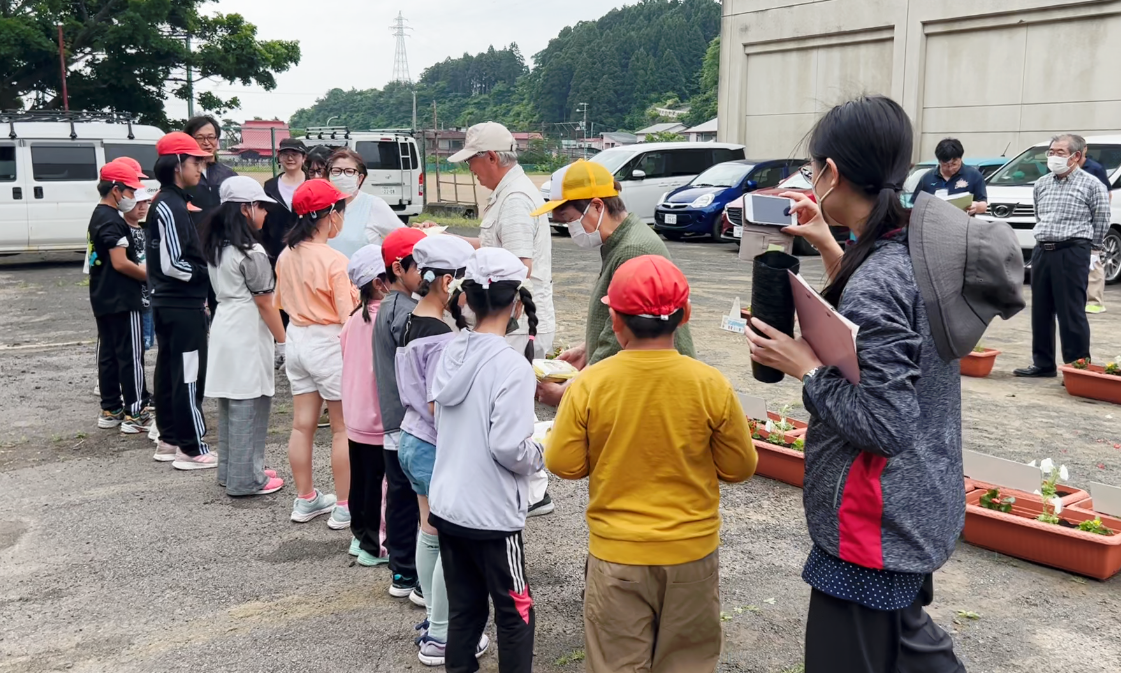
671, 218
737, 231
383, 191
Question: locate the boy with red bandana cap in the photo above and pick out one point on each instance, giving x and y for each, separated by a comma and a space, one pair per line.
652, 597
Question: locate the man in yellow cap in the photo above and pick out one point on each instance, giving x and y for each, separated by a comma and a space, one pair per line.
585, 197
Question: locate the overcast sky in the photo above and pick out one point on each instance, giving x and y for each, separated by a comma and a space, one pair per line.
348, 44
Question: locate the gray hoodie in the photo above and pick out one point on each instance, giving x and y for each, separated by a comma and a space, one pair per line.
485, 450
389, 335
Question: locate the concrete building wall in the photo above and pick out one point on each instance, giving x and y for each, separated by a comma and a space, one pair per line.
995, 73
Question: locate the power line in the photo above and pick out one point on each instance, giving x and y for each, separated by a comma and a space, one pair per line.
400, 58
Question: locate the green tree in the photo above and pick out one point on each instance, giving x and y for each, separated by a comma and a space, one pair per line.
703, 106
665, 137
130, 55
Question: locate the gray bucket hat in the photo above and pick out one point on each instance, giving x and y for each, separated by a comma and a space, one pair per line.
969, 271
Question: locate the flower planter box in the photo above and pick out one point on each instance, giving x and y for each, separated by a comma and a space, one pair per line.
979, 364
1018, 534
970, 485
780, 463
1068, 495
1092, 383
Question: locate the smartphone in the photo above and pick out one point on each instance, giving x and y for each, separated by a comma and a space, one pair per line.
770, 210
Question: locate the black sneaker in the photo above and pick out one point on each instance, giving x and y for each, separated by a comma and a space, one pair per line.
542, 507
417, 597
1034, 372
402, 586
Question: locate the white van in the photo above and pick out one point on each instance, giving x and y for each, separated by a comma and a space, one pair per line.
647, 171
394, 170
49, 164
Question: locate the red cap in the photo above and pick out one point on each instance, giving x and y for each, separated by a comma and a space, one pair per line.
117, 171
134, 165
399, 244
314, 195
650, 286
178, 142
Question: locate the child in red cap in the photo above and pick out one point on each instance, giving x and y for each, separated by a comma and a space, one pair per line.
313, 288
402, 512
652, 597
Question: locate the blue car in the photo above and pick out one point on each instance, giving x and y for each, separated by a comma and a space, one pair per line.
695, 209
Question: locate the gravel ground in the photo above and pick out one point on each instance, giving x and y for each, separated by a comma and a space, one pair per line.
112, 562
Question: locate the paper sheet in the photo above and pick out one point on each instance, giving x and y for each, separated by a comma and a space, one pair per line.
830, 334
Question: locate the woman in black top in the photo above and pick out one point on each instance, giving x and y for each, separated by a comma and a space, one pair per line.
281, 217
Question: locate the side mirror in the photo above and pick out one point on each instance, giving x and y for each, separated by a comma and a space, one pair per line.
638, 174
751, 185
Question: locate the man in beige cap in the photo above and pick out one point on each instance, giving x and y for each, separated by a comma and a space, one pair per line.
491, 153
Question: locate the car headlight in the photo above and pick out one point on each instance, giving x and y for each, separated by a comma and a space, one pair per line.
702, 201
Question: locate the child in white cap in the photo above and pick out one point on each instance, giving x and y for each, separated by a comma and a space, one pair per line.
244, 336
362, 410
441, 260
485, 453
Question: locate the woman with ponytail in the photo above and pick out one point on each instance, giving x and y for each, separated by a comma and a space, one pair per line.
485, 454
313, 288
884, 496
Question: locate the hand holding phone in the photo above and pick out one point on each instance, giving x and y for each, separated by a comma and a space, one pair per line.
770, 210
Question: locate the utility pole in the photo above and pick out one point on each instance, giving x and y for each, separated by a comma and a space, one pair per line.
190, 82
584, 127
414, 109
62, 64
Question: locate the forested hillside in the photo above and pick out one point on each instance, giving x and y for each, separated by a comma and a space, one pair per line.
620, 65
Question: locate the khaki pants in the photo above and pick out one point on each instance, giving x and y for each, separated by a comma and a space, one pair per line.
1095, 289
652, 619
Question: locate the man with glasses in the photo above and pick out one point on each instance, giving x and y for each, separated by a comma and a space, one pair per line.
1072, 215
207, 133
953, 177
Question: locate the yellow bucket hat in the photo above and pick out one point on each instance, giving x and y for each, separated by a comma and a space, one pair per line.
578, 181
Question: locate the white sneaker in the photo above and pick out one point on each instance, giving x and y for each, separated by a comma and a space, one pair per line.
165, 453
154, 433
305, 510
202, 461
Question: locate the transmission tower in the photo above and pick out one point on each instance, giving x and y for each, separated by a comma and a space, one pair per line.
400, 59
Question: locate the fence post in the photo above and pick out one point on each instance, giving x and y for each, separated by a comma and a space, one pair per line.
272, 142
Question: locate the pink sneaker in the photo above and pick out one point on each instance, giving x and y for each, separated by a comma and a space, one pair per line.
200, 462
271, 474
165, 453
274, 484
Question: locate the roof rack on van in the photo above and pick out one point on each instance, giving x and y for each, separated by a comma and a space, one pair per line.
332, 132
10, 117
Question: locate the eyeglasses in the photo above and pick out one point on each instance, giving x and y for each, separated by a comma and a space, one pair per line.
316, 172
1058, 153
348, 172
807, 172
206, 139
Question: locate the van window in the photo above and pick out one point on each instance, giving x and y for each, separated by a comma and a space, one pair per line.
385, 155
653, 164
145, 154
63, 163
722, 154
690, 162
7, 163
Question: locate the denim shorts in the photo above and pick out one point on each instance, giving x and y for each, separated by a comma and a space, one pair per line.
417, 458
148, 328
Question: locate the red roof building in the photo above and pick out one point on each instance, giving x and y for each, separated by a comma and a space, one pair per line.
257, 138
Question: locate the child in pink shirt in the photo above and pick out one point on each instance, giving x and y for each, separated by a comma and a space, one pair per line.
361, 410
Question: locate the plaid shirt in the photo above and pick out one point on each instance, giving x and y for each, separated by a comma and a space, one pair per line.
1073, 206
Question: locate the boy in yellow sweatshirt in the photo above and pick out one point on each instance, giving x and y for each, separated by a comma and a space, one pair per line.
654, 431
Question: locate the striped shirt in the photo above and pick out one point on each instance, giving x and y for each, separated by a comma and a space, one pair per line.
1075, 205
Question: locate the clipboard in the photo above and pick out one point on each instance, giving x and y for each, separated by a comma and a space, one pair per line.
830, 334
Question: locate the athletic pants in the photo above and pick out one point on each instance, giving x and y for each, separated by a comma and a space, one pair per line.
180, 374
120, 362
475, 570
367, 472
402, 518
1058, 290
846, 637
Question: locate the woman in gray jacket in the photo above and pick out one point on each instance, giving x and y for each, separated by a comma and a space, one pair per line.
884, 495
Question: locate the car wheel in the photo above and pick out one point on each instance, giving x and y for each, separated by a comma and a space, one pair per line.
1111, 255
718, 229
803, 248
672, 235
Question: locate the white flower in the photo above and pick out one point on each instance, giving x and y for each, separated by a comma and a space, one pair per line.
769, 427
1063, 473
1047, 466
1057, 503
1032, 463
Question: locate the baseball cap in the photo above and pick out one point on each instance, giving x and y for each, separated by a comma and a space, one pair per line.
314, 195
294, 144
442, 252
134, 165
485, 137
399, 244
649, 286
178, 142
968, 271
243, 189
145, 194
577, 181
365, 265
494, 265
116, 171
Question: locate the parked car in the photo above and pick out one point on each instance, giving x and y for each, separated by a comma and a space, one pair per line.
1011, 197
646, 171
732, 221
392, 162
987, 166
696, 209
49, 165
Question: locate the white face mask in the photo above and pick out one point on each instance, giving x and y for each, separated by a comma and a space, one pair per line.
347, 184
1057, 164
125, 205
582, 238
